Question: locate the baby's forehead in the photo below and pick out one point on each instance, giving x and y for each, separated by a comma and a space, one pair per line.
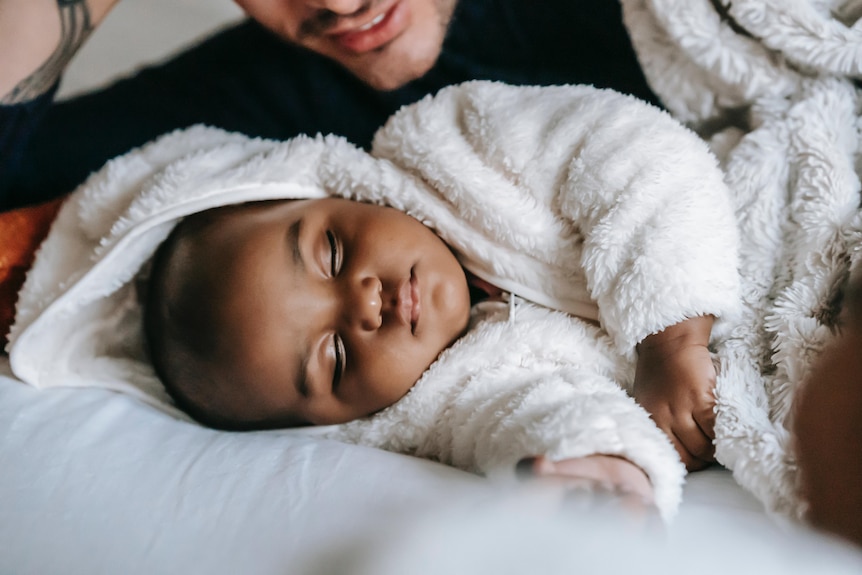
217, 218
204, 234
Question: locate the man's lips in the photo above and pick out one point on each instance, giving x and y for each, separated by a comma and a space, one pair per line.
377, 30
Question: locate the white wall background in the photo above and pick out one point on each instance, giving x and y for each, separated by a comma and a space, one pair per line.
137, 32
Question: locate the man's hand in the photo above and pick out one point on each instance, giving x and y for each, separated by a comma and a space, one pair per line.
675, 382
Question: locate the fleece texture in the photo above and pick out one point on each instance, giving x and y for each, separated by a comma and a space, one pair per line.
773, 85
584, 203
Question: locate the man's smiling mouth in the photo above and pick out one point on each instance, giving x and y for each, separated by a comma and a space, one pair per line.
376, 32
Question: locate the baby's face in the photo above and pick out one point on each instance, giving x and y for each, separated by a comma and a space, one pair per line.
331, 309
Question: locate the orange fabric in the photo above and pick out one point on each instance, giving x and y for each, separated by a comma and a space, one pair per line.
21, 234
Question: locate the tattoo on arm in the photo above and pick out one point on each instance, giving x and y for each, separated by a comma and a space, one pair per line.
75, 26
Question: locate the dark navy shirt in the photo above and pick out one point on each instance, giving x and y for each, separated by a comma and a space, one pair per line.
246, 79
18, 122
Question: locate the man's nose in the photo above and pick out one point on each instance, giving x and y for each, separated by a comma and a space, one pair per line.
364, 306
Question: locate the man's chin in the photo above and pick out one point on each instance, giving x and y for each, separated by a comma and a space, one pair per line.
391, 74
403, 60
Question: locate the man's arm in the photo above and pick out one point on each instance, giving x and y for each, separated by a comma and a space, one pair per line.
38, 39
827, 427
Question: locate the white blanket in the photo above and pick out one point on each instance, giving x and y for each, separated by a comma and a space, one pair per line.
771, 83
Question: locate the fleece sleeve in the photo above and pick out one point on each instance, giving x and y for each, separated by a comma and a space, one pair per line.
659, 234
575, 192
645, 200
543, 385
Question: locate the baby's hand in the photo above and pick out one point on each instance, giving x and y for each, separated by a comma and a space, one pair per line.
675, 382
602, 484
605, 473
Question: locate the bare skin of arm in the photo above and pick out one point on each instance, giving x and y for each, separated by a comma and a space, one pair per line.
827, 428
675, 382
37, 40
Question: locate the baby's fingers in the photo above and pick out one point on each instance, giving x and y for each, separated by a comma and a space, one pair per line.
695, 448
704, 418
697, 429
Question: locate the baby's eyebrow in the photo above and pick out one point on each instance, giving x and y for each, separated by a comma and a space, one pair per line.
293, 239
302, 374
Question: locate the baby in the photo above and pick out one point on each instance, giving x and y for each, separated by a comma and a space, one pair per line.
318, 312
323, 311
492, 288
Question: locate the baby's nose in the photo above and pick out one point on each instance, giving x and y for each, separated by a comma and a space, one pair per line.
367, 304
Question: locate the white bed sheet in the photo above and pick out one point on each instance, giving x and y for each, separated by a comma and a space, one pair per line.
94, 482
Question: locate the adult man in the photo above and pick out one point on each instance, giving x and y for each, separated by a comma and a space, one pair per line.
346, 66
